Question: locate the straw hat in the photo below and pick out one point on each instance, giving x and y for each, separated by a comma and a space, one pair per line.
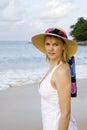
39, 40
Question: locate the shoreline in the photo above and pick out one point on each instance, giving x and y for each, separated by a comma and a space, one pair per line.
81, 42
20, 107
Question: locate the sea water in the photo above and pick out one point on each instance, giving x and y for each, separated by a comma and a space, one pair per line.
21, 63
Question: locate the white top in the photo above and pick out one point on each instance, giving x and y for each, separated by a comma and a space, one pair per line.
50, 105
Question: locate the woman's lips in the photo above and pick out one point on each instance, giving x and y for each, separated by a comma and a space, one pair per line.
51, 53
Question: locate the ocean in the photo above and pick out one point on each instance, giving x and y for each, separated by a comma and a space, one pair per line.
21, 63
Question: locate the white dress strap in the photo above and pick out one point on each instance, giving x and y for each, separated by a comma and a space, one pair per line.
55, 67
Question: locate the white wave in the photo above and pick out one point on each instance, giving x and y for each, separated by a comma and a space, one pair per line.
16, 78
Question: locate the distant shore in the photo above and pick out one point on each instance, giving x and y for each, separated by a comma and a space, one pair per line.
82, 43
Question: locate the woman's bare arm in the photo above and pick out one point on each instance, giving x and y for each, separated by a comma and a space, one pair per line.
63, 86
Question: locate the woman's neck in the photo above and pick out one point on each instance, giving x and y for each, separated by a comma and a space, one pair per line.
53, 63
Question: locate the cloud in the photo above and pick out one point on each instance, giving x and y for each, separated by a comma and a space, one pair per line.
24, 12
21, 17
3, 4
11, 11
55, 9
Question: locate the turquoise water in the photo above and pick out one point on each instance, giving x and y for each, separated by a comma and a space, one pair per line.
16, 55
22, 63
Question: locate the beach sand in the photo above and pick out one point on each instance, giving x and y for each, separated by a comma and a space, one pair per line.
20, 107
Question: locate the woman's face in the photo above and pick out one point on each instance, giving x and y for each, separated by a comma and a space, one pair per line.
54, 47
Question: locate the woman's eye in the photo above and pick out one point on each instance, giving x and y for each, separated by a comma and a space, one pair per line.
55, 44
46, 44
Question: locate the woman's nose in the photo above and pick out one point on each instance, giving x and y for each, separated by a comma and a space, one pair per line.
51, 48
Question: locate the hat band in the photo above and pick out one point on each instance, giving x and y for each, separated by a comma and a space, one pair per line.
57, 32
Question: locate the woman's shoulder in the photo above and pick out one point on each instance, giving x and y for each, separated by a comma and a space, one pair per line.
63, 69
61, 74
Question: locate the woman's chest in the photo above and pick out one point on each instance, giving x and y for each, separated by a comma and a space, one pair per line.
46, 89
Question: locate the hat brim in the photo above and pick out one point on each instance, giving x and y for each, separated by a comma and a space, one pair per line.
39, 41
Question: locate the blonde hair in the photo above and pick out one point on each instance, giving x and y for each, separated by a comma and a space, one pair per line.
64, 54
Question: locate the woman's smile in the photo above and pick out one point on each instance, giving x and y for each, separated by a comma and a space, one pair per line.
51, 53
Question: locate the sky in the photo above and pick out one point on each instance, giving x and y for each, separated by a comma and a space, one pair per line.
21, 19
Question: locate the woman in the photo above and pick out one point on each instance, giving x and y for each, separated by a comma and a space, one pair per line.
55, 87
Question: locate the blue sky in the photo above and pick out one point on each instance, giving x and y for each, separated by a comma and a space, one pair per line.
20, 19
